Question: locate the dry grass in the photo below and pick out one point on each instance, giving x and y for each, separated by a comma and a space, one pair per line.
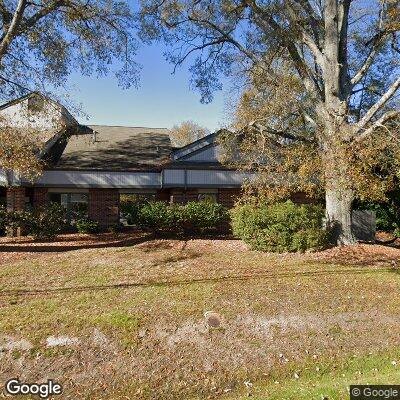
135, 317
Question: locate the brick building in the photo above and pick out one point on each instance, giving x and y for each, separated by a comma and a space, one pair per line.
93, 166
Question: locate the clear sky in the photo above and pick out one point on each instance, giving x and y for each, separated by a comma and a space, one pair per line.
161, 100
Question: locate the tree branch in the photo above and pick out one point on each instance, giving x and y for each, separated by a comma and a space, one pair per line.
378, 105
13, 28
379, 123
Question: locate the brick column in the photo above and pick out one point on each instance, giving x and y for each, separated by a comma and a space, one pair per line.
227, 197
15, 202
16, 198
103, 206
40, 197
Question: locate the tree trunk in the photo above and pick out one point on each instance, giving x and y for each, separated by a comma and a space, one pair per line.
338, 214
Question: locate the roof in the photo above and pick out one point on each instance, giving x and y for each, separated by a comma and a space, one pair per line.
114, 148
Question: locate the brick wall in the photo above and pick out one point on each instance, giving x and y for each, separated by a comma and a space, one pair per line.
227, 197
16, 202
40, 197
16, 198
181, 196
104, 206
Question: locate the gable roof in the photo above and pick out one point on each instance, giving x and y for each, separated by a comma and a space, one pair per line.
198, 145
113, 148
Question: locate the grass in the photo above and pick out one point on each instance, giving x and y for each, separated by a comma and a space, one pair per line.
330, 381
138, 314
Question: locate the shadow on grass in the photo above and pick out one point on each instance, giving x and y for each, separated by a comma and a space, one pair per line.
97, 243
177, 283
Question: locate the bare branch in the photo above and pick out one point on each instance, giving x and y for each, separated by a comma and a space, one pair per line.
13, 28
379, 123
378, 105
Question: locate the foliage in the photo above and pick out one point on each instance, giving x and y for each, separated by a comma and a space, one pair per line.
45, 222
319, 111
41, 44
51, 39
130, 210
86, 225
159, 216
187, 132
202, 217
193, 217
18, 152
280, 227
3, 218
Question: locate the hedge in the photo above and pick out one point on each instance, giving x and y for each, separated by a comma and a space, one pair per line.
281, 227
192, 218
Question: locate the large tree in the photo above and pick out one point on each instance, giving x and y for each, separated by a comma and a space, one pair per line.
345, 55
42, 42
187, 132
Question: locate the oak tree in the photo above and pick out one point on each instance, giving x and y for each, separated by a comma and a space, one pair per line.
341, 55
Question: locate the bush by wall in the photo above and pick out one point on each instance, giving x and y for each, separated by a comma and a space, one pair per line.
86, 225
280, 227
193, 217
43, 223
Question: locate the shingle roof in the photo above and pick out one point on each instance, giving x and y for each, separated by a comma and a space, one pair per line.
115, 148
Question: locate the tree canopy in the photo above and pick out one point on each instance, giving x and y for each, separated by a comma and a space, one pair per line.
44, 41
327, 73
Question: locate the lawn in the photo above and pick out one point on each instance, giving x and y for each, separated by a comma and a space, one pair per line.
125, 320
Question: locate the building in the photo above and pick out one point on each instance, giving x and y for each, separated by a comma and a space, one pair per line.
93, 166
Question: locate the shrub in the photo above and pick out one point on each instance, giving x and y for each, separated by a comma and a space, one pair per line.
202, 217
194, 217
86, 225
159, 216
43, 223
280, 227
130, 210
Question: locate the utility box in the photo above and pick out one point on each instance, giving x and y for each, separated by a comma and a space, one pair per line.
364, 225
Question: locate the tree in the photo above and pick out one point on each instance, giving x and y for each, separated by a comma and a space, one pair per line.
337, 49
187, 132
42, 42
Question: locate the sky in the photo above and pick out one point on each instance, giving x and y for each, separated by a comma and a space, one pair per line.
163, 99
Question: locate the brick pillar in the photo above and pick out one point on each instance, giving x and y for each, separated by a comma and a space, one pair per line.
103, 206
40, 197
15, 202
16, 198
228, 197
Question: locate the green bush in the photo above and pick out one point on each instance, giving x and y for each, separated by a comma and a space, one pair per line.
194, 217
280, 227
202, 217
130, 210
86, 225
43, 223
159, 216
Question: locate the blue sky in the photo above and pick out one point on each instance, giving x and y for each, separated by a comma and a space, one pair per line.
161, 100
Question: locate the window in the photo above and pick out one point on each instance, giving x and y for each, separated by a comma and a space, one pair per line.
76, 204
137, 197
208, 195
